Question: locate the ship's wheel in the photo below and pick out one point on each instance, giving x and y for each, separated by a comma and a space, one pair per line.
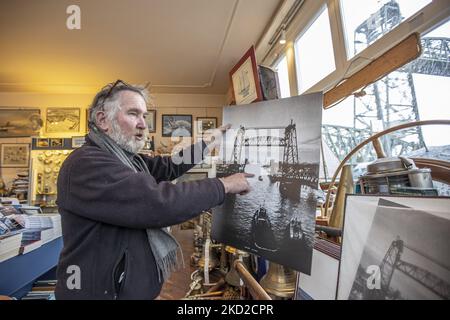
440, 169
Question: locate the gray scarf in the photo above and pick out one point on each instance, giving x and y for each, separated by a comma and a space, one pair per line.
163, 245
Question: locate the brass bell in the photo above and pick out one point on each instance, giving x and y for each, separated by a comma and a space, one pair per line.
279, 281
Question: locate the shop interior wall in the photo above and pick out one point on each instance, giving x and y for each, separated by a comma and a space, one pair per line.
197, 105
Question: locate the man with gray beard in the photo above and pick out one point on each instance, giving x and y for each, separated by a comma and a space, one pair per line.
115, 203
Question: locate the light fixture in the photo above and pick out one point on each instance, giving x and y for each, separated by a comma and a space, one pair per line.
283, 35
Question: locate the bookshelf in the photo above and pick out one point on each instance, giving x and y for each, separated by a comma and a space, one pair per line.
18, 273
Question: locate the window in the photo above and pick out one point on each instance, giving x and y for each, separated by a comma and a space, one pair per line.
367, 21
283, 77
417, 91
314, 53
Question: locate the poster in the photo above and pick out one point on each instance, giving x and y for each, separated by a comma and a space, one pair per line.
279, 142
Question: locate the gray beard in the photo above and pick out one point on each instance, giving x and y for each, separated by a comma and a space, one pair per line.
127, 143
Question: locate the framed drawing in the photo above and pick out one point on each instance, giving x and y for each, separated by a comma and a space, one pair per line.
15, 155
395, 248
245, 80
176, 125
151, 121
20, 122
204, 124
63, 120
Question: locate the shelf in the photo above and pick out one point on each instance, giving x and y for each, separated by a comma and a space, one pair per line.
20, 271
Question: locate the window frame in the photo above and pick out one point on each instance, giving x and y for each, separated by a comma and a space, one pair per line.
431, 16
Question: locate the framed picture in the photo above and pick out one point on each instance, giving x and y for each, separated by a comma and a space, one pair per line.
78, 141
42, 142
151, 121
395, 248
15, 155
56, 142
20, 122
63, 120
270, 86
204, 124
176, 125
245, 80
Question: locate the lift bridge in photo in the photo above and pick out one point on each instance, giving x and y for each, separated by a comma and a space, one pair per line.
393, 261
291, 171
391, 100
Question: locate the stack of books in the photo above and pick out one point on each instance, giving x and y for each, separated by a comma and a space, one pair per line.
39, 229
35, 221
10, 245
56, 224
42, 290
20, 186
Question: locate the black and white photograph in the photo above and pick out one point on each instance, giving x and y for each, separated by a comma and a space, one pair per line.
176, 125
405, 255
281, 148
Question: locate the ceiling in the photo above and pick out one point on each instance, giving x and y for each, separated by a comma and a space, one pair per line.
179, 46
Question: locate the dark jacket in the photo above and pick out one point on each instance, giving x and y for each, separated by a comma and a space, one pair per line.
105, 208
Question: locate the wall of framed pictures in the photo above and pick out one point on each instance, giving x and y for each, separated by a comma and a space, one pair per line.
41, 112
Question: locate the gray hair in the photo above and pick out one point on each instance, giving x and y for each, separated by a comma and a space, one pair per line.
107, 99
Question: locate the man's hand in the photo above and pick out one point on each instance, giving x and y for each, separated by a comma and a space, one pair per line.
237, 183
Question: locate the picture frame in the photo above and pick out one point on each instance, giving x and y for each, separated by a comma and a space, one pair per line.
244, 79
15, 155
151, 121
56, 142
205, 123
20, 122
62, 120
42, 143
78, 141
176, 125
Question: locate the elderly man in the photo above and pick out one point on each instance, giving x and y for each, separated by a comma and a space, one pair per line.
115, 203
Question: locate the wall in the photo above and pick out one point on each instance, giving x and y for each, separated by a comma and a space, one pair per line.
195, 104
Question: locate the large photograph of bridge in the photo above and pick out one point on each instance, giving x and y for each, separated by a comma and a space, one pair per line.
279, 142
405, 255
